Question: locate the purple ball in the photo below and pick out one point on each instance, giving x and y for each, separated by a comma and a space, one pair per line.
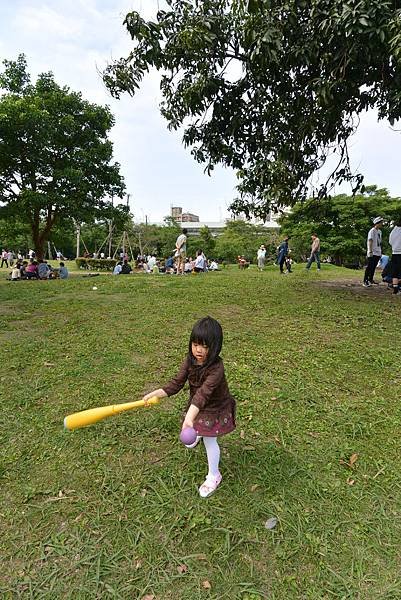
188, 436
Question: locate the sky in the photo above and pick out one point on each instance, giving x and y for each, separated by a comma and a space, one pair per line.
76, 39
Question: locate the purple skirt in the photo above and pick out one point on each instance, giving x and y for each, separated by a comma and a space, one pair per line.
209, 425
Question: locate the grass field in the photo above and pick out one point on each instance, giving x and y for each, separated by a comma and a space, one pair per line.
112, 511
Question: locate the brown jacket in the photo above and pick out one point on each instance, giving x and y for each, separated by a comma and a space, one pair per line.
208, 389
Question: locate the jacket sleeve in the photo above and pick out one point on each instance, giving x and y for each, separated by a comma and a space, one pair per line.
212, 381
177, 383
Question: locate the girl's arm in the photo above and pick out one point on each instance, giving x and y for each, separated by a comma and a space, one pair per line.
190, 417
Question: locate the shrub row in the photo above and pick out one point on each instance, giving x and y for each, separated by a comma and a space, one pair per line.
97, 264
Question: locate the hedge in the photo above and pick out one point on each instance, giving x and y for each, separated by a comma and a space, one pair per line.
97, 264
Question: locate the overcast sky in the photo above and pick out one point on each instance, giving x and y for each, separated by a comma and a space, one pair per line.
75, 39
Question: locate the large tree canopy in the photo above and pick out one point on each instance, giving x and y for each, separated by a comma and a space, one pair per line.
269, 87
54, 154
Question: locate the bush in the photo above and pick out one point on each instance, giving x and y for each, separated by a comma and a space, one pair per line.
97, 264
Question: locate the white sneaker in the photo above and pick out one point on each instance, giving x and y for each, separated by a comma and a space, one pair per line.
210, 484
196, 442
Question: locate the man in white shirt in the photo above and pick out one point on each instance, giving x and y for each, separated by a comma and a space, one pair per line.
374, 251
181, 251
395, 242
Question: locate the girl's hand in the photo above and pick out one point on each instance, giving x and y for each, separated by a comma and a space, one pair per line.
158, 393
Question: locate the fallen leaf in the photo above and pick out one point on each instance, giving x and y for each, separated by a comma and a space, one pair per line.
242, 434
313, 434
143, 493
274, 398
182, 569
277, 440
60, 494
138, 564
254, 487
206, 585
47, 364
148, 597
353, 459
350, 481
271, 523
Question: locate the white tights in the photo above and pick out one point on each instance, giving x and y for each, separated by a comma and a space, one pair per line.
213, 455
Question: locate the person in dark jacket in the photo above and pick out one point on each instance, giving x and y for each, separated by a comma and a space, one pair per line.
283, 253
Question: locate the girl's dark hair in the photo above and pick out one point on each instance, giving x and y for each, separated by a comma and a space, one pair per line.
397, 221
207, 331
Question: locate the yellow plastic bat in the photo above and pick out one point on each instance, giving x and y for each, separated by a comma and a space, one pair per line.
93, 415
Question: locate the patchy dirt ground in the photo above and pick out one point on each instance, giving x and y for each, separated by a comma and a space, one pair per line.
355, 286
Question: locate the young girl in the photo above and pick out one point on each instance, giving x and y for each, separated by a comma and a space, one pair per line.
211, 408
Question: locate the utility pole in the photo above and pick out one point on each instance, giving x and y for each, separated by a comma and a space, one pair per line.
78, 236
110, 228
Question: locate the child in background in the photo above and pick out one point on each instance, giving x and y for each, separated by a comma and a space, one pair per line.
211, 408
16, 273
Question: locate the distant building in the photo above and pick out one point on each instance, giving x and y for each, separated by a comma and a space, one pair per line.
183, 217
193, 225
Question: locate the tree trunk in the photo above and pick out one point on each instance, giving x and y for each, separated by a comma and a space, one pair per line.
40, 237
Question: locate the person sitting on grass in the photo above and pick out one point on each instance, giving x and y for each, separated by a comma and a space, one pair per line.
117, 268
169, 266
63, 271
126, 269
31, 270
188, 266
23, 266
16, 272
200, 262
43, 270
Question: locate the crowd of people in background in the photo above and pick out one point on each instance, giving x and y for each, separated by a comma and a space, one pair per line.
391, 267
29, 267
170, 266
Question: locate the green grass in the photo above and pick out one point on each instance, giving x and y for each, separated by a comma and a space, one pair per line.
112, 511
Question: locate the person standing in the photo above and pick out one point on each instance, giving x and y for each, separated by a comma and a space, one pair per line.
374, 251
4, 258
211, 407
181, 251
261, 256
282, 253
395, 242
314, 252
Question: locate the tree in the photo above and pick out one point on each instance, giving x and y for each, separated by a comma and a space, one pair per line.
269, 87
341, 223
54, 154
242, 238
205, 241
